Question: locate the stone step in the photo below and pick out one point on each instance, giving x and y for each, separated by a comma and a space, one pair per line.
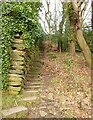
32, 83
16, 71
31, 72
34, 73
29, 75
33, 87
33, 98
30, 91
11, 112
32, 79
37, 82
34, 68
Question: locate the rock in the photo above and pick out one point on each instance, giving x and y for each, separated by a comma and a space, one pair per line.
17, 63
13, 92
19, 46
15, 75
42, 113
17, 57
17, 35
18, 41
16, 71
17, 52
14, 78
13, 111
12, 88
14, 83
50, 96
43, 107
17, 67
53, 112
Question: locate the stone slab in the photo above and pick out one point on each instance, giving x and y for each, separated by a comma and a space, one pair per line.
32, 87
19, 46
13, 78
16, 75
16, 71
17, 57
14, 83
11, 92
31, 91
18, 41
43, 113
12, 88
17, 67
17, 52
35, 86
33, 83
13, 110
17, 63
33, 98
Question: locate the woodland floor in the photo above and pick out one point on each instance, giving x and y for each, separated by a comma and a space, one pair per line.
65, 87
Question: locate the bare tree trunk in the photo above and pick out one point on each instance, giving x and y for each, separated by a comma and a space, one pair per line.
72, 39
79, 35
72, 30
61, 29
58, 45
72, 48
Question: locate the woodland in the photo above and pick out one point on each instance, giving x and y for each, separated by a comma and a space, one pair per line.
46, 63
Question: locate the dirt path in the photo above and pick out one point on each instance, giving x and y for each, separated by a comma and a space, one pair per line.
65, 88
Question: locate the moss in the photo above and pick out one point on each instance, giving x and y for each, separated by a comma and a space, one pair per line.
10, 100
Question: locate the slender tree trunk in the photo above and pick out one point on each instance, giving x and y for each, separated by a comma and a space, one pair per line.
72, 39
72, 30
80, 37
72, 48
59, 46
61, 30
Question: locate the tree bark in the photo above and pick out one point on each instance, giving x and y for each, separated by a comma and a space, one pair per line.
61, 25
72, 39
72, 30
79, 35
72, 48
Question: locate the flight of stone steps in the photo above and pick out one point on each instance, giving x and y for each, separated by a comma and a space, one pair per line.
32, 83
30, 93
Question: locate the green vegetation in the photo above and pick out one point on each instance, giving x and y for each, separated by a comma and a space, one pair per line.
51, 55
22, 18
